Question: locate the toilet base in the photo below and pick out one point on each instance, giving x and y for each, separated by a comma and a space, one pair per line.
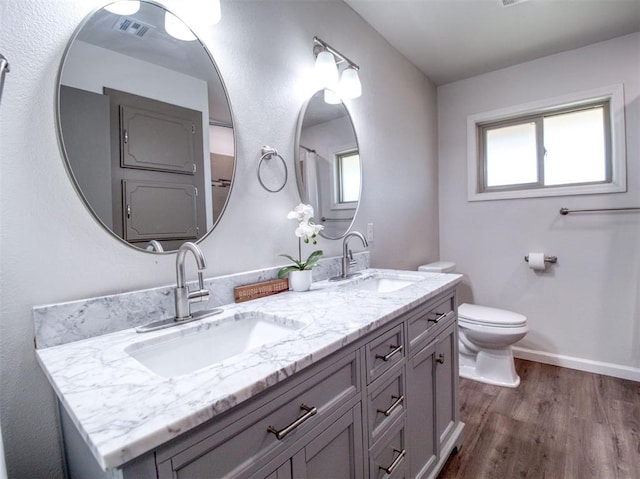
490, 366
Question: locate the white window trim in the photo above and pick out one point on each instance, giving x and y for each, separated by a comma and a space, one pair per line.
335, 187
613, 93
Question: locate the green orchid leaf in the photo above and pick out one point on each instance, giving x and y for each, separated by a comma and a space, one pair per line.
313, 259
285, 271
299, 264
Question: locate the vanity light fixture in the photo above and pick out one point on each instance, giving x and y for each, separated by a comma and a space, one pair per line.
326, 71
123, 7
211, 11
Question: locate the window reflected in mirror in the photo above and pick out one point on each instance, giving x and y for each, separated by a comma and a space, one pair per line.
348, 177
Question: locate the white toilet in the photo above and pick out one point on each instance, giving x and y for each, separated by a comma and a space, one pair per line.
485, 336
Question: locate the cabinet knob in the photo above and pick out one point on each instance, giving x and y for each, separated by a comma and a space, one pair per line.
440, 359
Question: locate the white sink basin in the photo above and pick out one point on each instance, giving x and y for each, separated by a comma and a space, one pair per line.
186, 350
384, 283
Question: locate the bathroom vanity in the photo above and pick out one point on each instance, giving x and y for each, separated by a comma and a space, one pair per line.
362, 384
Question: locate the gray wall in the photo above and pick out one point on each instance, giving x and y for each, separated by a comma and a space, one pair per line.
51, 248
583, 312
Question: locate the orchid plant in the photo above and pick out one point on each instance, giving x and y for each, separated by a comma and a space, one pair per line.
306, 232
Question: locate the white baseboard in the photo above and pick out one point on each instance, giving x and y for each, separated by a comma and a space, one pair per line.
608, 369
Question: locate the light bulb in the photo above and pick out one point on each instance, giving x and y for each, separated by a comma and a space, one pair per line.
207, 12
176, 28
123, 7
331, 97
326, 70
350, 86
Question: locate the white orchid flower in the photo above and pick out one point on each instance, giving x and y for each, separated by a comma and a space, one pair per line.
305, 232
301, 212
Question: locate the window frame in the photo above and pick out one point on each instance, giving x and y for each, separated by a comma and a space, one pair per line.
337, 202
477, 125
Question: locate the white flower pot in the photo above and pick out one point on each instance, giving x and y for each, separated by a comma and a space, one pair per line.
300, 280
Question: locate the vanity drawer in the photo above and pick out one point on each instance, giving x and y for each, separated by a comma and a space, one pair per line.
388, 459
426, 320
386, 400
384, 352
234, 450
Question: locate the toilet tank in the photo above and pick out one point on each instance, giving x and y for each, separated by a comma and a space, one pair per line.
438, 267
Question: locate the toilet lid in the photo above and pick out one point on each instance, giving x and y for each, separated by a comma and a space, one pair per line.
472, 313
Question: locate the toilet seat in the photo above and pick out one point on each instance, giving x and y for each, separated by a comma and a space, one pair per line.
474, 314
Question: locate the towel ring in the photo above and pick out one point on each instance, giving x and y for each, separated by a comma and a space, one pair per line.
267, 154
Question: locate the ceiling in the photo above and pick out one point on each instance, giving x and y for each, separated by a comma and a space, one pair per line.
450, 40
105, 29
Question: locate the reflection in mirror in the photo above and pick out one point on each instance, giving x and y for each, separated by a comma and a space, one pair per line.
328, 165
146, 128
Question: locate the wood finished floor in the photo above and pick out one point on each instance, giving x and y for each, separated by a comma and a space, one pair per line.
558, 424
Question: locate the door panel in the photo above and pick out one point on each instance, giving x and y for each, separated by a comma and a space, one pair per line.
336, 452
156, 141
420, 412
159, 210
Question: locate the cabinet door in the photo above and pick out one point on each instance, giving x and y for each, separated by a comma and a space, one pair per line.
335, 453
421, 437
159, 211
283, 472
446, 379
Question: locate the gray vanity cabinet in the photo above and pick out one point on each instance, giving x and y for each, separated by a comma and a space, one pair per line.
384, 406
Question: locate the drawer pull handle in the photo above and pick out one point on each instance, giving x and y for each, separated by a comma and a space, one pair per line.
440, 359
310, 411
395, 462
438, 317
396, 403
387, 357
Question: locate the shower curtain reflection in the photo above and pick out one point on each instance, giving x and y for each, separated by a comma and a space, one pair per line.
309, 168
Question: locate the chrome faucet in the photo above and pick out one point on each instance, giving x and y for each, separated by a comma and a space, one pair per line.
154, 245
183, 296
347, 255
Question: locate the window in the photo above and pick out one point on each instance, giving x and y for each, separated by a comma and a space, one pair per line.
348, 177
550, 149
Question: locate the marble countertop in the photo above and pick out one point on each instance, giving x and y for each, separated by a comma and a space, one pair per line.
123, 410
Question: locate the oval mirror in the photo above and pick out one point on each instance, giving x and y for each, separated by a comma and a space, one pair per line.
146, 127
328, 165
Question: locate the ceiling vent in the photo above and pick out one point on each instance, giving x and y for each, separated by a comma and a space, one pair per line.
132, 26
509, 3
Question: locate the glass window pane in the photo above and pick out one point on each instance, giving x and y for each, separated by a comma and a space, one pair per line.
349, 178
511, 155
575, 148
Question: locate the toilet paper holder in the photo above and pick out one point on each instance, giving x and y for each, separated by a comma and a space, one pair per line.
547, 259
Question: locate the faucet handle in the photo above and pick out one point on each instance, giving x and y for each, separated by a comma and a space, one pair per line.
202, 294
351, 260
198, 296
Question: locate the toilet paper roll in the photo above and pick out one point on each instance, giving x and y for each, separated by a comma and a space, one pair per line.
536, 261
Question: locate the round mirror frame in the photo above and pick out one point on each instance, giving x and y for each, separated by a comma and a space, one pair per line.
298, 170
63, 148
